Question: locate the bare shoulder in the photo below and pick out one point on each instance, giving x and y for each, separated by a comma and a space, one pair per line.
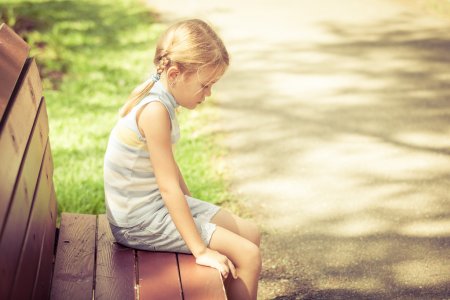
153, 117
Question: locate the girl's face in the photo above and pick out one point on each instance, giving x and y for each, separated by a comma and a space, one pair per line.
192, 89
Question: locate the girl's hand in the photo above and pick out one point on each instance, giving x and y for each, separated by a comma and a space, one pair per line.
214, 259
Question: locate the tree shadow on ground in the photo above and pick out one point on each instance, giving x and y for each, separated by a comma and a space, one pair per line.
382, 87
386, 266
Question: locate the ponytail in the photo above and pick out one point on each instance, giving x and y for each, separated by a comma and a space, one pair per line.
144, 88
139, 92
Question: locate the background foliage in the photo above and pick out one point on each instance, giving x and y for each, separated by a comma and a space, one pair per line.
91, 54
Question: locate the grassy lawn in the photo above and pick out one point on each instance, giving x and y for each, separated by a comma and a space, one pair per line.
91, 54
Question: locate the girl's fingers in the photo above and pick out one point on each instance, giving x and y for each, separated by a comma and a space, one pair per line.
232, 269
228, 268
223, 269
219, 262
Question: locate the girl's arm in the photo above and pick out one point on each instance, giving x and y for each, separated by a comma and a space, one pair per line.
154, 122
183, 184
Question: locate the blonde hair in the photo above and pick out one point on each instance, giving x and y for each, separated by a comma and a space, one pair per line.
191, 45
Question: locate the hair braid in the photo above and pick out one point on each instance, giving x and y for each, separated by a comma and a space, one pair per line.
164, 62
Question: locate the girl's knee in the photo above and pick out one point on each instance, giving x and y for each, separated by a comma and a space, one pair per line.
243, 252
238, 225
254, 234
257, 260
253, 257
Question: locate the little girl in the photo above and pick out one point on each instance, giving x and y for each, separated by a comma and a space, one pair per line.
149, 206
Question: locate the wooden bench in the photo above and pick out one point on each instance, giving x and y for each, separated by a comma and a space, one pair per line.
80, 260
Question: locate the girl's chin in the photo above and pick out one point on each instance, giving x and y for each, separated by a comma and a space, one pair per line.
191, 107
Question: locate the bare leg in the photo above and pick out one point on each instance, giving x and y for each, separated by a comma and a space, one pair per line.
242, 227
248, 231
246, 257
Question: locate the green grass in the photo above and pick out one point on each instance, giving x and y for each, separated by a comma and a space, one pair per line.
199, 155
91, 54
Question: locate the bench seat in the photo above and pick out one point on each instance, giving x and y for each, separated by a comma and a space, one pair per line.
90, 262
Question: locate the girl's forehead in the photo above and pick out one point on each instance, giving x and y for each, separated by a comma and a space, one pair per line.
209, 75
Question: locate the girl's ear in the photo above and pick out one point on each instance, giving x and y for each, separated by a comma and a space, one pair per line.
172, 73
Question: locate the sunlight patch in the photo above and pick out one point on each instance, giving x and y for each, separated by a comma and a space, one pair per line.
432, 228
419, 273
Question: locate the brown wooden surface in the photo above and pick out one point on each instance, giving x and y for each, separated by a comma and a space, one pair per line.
16, 221
115, 273
44, 277
158, 276
199, 282
15, 130
13, 53
30, 256
73, 275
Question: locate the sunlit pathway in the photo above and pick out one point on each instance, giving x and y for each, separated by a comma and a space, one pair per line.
337, 117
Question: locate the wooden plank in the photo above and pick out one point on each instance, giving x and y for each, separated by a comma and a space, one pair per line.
15, 131
199, 282
31, 251
73, 276
44, 277
158, 276
16, 222
115, 272
13, 54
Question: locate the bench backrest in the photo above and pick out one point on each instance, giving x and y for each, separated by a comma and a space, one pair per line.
27, 198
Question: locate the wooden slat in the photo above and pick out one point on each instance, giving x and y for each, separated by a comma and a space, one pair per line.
14, 230
15, 131
31, 253
158, 276
199, 282
73, 276
13, 53
115, 272
44, 277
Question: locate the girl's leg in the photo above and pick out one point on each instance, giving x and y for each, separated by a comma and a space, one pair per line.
242, 227
245, 256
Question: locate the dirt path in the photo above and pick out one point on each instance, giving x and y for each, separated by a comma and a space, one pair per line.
337, 115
